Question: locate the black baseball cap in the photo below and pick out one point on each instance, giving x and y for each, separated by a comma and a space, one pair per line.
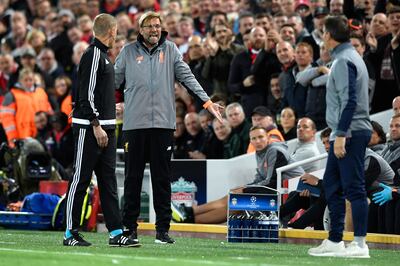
261, 110
321, 11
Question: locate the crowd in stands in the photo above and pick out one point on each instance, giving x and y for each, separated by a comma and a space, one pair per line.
264, 60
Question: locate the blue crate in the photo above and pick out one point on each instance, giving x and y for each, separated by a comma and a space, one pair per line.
25, 220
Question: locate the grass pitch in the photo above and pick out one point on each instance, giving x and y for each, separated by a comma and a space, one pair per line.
45, 248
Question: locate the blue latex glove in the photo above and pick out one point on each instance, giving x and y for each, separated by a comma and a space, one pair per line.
383, 196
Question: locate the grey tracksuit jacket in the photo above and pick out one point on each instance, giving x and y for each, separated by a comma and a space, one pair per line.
347, 93
149, 89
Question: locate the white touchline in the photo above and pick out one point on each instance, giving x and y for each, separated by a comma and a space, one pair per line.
114, 256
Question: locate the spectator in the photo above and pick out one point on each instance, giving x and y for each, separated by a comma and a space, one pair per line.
171, 26
49, 65
263, 117
228, 144
85, 24
62, 95
93, 8
378, 138
7, 68
62, 149
288, 123
37, 40
120, 42
314, 78
20, 105
185, 31
379, 25
180, 139
275, 97
358, 43
60, 43
336, 7
306, 146
196, 61
237, 120
384, 55
221, 50
246, 22
287, 7
78, 50
200, 20
42, 126
263, 20
288, 34
295, 94
196, 137
396, 105
124, 24
19, 30
279, 20
242, 81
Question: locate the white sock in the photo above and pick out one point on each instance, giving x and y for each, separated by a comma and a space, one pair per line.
360, 240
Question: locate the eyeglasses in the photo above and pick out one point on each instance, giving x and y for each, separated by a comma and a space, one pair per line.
157, 26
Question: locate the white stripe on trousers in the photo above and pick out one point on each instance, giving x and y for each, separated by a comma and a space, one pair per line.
75, 179
93, 77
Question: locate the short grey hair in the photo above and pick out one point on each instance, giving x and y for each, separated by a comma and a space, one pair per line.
103, 23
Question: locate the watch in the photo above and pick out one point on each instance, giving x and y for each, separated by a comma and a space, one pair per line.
95, 122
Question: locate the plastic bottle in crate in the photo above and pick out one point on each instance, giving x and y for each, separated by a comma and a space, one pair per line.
263, 228
246, 226
254, 227
234, 228
274, 227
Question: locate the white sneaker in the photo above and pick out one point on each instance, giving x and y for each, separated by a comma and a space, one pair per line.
328, 249
353, 250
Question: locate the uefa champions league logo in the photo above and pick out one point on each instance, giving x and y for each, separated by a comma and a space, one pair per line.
253, 200
234, 201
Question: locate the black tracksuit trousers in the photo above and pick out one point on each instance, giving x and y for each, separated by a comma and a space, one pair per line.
90, 157
153, 145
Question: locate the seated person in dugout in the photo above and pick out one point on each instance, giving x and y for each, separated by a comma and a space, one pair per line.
269, 156
377, 174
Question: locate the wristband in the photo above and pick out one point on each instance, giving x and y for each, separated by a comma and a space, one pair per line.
207, 104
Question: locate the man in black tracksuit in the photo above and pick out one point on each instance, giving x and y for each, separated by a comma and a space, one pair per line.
93, 125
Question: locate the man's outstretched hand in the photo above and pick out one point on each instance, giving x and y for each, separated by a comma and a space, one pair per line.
216, 110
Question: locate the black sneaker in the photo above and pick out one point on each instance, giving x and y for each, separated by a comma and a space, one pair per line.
163, 238
132, 234
123, 241
75, 240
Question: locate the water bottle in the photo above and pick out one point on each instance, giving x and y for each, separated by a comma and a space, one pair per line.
274, 227
254, 227
246, 224
263, 229
234, 228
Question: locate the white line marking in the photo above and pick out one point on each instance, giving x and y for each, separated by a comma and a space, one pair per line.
115, 256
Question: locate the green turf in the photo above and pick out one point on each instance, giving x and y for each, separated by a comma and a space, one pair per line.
44, 248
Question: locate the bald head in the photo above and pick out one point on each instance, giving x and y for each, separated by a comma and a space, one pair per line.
285, 52
258, 38
379, 25
192, 123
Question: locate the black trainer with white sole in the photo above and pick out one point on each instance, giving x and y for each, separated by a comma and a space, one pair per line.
164, 238
123, 241
76, 239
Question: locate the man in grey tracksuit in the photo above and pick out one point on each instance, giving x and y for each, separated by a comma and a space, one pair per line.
348, 116
150, 67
